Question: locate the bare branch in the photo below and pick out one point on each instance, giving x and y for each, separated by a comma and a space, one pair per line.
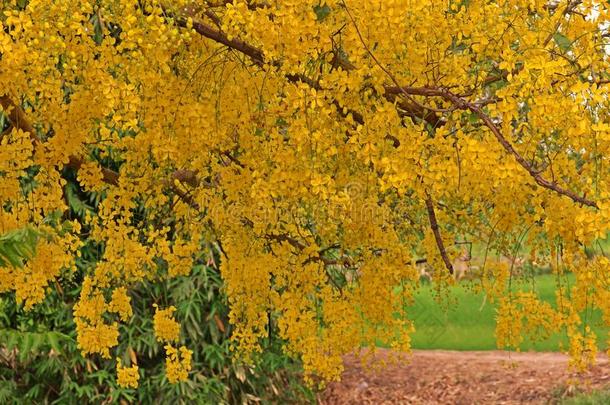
255, 54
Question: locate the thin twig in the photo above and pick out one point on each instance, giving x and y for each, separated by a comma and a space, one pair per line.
383, 68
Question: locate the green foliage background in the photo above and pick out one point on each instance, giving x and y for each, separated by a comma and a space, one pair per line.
40, 362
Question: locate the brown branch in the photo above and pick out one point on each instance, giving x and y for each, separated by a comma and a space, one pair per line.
18, 120
383, 68
212, 16
411, 110
390, 93
109, 176
572, 4
16, 116
187, 176
463, 104
431, 91
255, 54
525, 164
508, 147
437, 234
224, 3
184, 196
286, 238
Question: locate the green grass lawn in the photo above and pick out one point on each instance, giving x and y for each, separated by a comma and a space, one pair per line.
463, 321
596, 398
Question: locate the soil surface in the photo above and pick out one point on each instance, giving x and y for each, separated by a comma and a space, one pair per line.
450, 377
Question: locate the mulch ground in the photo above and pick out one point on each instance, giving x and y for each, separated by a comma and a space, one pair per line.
448, 377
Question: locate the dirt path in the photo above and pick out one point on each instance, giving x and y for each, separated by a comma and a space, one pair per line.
448, 377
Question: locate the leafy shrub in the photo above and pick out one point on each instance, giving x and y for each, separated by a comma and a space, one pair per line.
40, 361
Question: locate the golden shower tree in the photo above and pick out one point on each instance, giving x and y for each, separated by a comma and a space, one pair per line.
321, 147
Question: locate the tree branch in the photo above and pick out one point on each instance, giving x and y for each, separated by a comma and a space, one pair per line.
437, 234
18, 120
392, 91
463, 104
16, 116
466, 105
411, 110
255, 54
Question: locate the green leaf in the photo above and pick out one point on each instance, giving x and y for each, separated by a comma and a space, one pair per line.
321, 11
98, 32
76, 204
52, 339
25, 347
563, 42
18, 245
3, 121
22, 4
472, 118
12, 255
10, 337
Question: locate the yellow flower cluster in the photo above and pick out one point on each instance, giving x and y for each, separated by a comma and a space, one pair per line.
97, 338
166, 327
90, 176
524, 314
177, 363
30, 283
94, 335
120, 304
180, 260
15, 156
127, 377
